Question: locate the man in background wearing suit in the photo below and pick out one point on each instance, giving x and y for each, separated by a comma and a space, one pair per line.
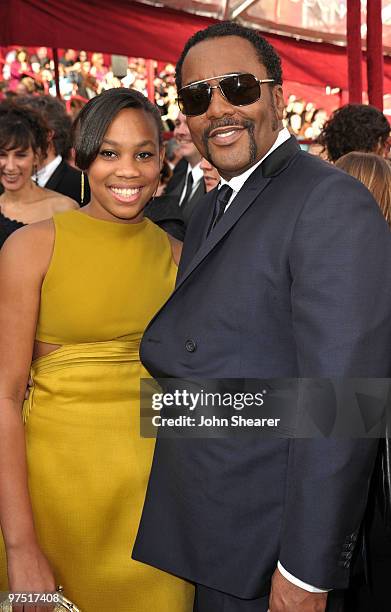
172, 210
284, 274
187, 183
54, 172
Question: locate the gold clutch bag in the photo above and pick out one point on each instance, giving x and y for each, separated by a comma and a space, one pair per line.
65, 604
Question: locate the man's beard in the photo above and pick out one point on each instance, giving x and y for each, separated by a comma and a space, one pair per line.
227, 121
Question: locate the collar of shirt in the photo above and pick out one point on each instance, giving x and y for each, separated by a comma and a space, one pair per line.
237, 182
46, 172
196, 172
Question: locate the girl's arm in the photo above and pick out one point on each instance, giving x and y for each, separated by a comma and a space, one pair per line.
24, 260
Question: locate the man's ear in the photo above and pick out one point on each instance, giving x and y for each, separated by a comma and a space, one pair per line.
50, 135
279, 101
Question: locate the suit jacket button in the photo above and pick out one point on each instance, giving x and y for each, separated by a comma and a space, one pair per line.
190, 346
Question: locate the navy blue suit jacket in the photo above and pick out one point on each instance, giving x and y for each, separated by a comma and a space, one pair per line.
294, 281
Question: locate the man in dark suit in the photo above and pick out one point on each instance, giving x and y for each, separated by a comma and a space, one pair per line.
67, 180
284, 274
187, 183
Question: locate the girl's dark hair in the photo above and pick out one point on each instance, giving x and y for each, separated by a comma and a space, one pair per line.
95, 118
22, 127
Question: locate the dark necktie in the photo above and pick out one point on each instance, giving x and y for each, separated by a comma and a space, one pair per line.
189, 188
222, 200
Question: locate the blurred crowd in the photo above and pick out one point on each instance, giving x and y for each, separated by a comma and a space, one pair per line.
28, 83
83, 75
303, 119
185, 175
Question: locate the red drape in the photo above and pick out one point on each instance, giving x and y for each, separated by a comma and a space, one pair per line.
130, 28
375, 53
56, 72
353, 25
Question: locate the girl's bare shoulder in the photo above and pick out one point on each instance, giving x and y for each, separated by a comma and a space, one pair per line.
29, 247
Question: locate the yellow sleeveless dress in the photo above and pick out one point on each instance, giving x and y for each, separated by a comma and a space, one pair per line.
87, 465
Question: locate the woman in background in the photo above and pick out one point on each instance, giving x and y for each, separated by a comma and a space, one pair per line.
23, 141
76, 294
98, 71
20, 66
375, 172
370, 593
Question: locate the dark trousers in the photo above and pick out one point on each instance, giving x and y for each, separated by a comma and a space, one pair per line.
209, 600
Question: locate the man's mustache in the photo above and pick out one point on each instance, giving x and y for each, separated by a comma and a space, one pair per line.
225, 122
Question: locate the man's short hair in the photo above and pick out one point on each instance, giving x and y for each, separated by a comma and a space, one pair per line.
54, 113
266, 53
354, 127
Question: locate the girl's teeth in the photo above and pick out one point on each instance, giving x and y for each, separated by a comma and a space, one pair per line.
125, 192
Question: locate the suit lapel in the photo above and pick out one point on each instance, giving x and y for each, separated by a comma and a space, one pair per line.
54, 180
246, 196
255, 184
253, 187
211, 212
189, 205
178, 179
179, 185
277, 161
197, 230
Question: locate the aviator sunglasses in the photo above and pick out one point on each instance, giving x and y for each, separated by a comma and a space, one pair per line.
237, 89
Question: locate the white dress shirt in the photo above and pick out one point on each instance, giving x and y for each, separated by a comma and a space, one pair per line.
197, 177
236, 183
46, 172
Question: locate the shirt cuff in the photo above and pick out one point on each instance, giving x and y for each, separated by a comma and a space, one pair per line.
298, 582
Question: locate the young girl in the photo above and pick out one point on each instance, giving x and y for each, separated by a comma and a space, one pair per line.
76, 294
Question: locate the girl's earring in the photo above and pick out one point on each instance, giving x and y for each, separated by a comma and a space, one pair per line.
82, 179
157, 187
35, 173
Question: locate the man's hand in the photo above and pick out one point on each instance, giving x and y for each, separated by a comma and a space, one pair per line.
287, 597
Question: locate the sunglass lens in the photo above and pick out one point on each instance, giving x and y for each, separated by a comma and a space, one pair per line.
194, 100
241, 89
